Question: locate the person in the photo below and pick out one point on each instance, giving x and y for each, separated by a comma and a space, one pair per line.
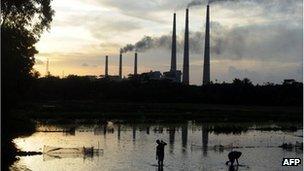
232, 156
160, 152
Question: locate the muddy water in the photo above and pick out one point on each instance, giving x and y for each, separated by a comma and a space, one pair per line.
191, 146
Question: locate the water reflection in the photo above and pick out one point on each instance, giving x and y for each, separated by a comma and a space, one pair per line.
133, 146
171, 138
118, 132
184, 137
148, 130
205, 132
134, 133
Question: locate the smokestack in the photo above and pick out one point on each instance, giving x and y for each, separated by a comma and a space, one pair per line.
47, 73
106, 68
173, 47
186, 51
206, 72
135, 64
120, 65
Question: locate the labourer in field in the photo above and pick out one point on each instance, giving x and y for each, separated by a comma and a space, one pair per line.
160, 152
232, 156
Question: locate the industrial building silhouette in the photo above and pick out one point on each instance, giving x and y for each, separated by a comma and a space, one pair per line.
173, 74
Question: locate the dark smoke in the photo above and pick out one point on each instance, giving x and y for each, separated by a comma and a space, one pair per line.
148, 42
220, 39
203, 2
128, 47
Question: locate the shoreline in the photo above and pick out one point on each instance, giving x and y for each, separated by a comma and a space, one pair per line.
158, 111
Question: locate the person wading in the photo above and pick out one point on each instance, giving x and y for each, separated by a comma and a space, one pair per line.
232, 156
160, 152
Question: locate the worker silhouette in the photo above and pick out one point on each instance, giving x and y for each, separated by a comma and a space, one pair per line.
160, 152
232, 156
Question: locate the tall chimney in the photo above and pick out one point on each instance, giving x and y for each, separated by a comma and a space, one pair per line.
186, 51
173, 47
120, 65
106, 68
135, 64
206, 72
47, 73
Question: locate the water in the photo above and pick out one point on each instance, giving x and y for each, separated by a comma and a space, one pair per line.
191, 146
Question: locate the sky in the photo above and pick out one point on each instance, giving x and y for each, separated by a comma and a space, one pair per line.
257, 39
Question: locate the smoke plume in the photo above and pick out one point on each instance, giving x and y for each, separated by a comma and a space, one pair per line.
233, 43
202, 2
148, 42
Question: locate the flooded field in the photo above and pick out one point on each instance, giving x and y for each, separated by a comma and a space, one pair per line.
131, 146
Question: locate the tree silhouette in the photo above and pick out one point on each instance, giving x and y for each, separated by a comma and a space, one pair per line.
22, 23
21, 27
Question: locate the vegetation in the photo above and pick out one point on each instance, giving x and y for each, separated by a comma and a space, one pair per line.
22, 24
240, 92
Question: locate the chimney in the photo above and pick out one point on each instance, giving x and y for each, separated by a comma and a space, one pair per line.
186, 51
106, 68
206, 72
47, 73
120, 65
173, 47
135, 64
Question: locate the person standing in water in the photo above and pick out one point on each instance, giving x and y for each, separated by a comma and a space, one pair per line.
160, 152
232, 156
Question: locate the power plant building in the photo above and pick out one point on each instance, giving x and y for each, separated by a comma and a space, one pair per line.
173, 74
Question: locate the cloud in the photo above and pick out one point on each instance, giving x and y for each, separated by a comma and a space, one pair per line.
274, 41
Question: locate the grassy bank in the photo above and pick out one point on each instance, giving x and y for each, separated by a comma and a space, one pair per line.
167, 111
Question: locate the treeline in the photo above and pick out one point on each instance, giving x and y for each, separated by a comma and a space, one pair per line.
239, 92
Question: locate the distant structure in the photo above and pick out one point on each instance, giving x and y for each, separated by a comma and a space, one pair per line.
173, 74
120, 65
173, 47
47, 72
106, 67
152, 75
206, 72
135, 63
186, 51
289, 81
106, 76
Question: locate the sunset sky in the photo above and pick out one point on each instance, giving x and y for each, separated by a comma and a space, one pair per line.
258, 39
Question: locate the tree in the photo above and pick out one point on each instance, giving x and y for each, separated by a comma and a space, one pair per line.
23, 22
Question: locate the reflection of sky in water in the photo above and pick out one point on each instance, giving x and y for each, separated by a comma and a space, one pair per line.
132, 147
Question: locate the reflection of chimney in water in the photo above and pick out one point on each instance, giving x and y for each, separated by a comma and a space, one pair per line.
171, 138
118, 132
106, 68
135, 63
184, 136
173, 47
148, 130
205, 139
186, 51
120, 65
134, 132
105, 130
